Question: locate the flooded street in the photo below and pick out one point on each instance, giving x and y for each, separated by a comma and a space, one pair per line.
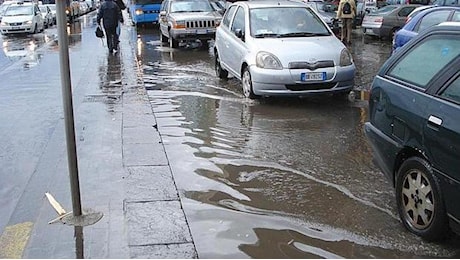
277, 177
268, 178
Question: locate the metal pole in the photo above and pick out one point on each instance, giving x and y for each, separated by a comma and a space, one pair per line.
68, 107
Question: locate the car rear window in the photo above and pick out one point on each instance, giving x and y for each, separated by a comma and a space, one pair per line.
426, 59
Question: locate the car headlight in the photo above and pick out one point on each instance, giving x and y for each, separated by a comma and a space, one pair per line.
139, 12
267, 60
4, 23
29, 22
179, 24
345, 58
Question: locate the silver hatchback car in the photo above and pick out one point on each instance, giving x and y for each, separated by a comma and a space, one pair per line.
281, 48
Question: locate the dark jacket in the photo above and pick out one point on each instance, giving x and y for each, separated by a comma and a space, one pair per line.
110, 14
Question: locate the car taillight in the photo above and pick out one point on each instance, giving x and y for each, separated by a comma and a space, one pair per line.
378, 19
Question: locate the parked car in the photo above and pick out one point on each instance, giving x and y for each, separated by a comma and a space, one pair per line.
414, 129
22, 18
385, 21
326, 12
47, 15
417, 11
281, 48
52, 7
187, 20
425, 19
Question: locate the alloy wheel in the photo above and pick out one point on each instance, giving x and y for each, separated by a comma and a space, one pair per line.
417, 199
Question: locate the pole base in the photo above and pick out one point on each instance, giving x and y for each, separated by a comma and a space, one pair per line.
88, 217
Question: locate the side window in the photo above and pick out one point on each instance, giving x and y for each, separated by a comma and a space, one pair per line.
433, 18
456, 16
413, 66
452, 92
238, 22
228, 16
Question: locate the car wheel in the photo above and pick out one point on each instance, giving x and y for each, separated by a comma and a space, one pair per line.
247, 84
419, 200
220, 72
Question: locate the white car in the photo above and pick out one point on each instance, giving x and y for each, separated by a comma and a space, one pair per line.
47, 15
22, 18
281, 48
52, 7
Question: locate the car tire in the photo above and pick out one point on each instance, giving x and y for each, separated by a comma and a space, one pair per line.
220, 72
246, 80
419, 200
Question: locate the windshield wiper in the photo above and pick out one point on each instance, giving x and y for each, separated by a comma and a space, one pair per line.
303, 34
263, 35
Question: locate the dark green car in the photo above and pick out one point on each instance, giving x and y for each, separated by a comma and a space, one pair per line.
414, 130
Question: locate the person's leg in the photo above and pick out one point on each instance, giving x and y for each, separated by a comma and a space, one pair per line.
344, 30
349, 28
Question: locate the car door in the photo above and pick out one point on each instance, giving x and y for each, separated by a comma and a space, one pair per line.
442, 137
223, 35
162, 17
237, 44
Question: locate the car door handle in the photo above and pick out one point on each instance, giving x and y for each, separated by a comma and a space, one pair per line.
435, 121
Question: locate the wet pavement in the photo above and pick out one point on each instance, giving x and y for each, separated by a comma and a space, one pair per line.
182, 166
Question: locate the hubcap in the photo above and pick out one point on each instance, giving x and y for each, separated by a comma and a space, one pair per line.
417, 199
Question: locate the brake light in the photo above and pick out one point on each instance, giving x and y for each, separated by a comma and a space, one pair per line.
378, 20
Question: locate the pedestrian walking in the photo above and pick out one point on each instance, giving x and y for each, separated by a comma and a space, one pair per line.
110, 14
346, 13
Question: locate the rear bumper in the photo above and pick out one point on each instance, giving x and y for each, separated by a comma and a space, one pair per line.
385, 149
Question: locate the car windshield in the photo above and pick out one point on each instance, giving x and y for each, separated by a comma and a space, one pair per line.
286, 22
190, 6
18, 10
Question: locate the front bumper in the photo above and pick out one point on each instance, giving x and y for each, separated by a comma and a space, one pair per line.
287, 82
193, 34
7, 29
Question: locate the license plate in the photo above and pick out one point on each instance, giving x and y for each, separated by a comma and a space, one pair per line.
313, 76
15, 27
201, 31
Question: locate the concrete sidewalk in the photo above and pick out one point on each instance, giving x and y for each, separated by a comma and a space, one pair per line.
123, 168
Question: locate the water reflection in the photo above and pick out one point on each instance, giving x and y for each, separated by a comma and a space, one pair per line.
24, 49
287, 243
110, 83
79, 245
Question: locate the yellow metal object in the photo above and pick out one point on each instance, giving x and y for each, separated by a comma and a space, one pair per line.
14, 240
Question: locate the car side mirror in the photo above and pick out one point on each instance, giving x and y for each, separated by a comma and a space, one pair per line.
239, 33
